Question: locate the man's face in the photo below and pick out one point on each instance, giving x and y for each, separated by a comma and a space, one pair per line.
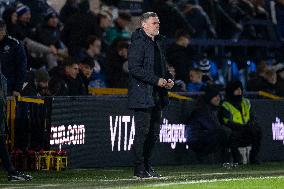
52, 22
96, 47
43, 88
215, 101
105, 22
195, 77
151, 26
238, 92
123, 53
25, 18
86, 70
72, 71
2, 33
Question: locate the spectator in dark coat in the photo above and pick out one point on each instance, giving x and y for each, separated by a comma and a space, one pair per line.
10, 17
79, 27
205, 134
48, 33
38, 9
200, 21
92, 50
117, 65
69, 8
86, 67
23, 27
65, 80
180, 56
38, 85
171, 18
13, 61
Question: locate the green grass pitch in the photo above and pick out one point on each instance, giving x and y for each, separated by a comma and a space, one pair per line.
265, 176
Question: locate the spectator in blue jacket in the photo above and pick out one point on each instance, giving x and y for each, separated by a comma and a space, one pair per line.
13, 61
195, 84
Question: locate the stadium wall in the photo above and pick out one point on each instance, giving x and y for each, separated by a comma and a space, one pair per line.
99, 132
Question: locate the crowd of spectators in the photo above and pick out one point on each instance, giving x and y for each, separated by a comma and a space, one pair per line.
68, 51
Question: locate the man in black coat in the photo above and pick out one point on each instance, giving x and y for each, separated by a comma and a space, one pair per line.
13, 61
147, 94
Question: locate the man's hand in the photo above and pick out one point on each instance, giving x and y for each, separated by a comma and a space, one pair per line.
162, 82
169, 84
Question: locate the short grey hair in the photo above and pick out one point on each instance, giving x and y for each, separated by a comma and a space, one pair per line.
145, 16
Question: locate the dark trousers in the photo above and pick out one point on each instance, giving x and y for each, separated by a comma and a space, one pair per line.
147, 129
248, 135
4, 155
208, 142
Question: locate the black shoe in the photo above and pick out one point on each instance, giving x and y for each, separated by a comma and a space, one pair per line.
17, 176
142, 174
153, 173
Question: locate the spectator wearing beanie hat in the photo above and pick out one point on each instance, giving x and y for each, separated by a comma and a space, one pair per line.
205, 133
38, 86
23, 27
23, 13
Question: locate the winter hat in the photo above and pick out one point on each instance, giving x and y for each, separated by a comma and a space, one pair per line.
50, 13
204, 66
231, 87
22, 9
210, 92
41, 76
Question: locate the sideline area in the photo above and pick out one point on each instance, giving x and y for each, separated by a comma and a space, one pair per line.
267, 175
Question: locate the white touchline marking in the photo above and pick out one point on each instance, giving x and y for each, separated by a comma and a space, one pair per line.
163, 178
31, 186
211, 180
202, 181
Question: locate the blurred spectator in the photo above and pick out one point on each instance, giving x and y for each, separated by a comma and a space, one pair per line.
180, 55
79, 27
69, 8
117, 65
65, 80
258, 82
171, 18
120, 28
105, 21
48, 33
267, 79
205, 134
180, 85
38, 9
10, 17
93, 50
23, 28
228, 17
230, 68
13, 61
38, 85
200, 21
86, 67
205, 67
195, 78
